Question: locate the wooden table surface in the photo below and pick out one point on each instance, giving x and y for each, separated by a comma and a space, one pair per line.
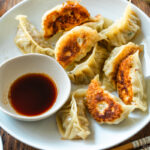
11, 143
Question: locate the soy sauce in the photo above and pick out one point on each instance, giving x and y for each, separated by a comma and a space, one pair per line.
33, 94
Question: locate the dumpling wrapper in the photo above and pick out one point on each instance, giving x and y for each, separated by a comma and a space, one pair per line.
99, 24
123, 30
116, 56
64, 17
71, 118
75, 44
85, 71
130, 82
105, 107
29, 40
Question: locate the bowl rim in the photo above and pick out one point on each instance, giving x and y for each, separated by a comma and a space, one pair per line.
48, 112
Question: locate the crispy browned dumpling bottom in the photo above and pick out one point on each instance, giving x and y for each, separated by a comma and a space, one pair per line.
64, 17
124, 85
116, 56
130, 82
75, 44
103, 107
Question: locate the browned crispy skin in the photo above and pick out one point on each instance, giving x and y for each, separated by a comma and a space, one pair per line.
75, 44
70, 15
70, 50
96, 96
129, 50
124, 85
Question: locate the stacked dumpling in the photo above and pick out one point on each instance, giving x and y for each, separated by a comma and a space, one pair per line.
103, 106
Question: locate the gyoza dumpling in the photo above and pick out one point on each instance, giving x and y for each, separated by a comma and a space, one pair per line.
123, 30
99, 24
84, 72
105, 107
64, 17
107, 22
117, 55
71, 119
29, 40
130, 82
75, 44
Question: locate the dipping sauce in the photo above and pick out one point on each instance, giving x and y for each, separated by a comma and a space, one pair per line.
32, 94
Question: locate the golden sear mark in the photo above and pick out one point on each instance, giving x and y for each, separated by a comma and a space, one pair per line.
69, 15
124, 85
70, 50
128, 50
75, 44
96, 96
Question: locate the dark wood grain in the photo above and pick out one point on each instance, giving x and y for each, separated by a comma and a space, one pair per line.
11, 143
142, 5
7, 4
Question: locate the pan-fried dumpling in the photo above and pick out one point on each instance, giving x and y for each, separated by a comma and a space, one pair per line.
71, 119
75, 44
99, 23
116, 56
105, 107
107, 22
130, 82
64, 17
84, 72
29, 40
123, 30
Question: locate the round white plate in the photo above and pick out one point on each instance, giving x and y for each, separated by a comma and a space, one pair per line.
44, 134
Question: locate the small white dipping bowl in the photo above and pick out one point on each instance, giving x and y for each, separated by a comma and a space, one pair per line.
33, 63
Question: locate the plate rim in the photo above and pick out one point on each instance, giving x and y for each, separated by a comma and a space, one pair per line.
95, 147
